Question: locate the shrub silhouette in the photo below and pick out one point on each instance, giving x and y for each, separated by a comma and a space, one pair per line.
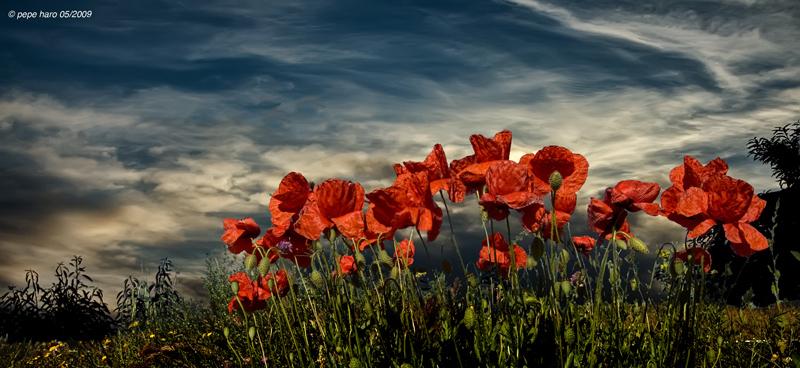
781, 152
142, 301
756, 275
69, 310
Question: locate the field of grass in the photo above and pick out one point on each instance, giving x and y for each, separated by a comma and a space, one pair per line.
385, 316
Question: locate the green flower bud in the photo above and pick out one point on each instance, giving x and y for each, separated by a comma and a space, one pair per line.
251, 333
317, 279
361, 262
555, 180
355, 363
385, 259
566, 287
537, 248
569, 336
271, 284
621, 244
470, 318
634, 284
317, 245
446, 267
235, 287
530, 263
638, 246
472, 281
250, 262
263, 267
395, 273
226, 332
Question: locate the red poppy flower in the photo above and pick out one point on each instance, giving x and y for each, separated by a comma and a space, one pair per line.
562, 218
698, 254
404, 253
251, 294
373, 231
290, 245
469, 173
702, 197
408, 202
500, 254
626, 196
435, 166
573, 168
532, 216
348, 265
583, 244
508, 188
336, 203
281, 281
239, 234
287, 202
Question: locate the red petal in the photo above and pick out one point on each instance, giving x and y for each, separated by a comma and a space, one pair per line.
693, 202
754, 211
311, 223
350, 225
701, 229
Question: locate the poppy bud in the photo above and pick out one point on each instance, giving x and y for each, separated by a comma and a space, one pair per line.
384, 258
250, 262
446, 267
566, 287
235, 287
271, 284
470, 318
355, 363
530, 263
263, 267
361, 261
555, 180
317, 245
569, 336
396, 273
634, 284
317, 280
251, 333
226, 332
537, 248
621, 244
638, 245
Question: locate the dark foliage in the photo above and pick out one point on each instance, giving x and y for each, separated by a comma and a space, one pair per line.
781, 152
69, 310
142, 301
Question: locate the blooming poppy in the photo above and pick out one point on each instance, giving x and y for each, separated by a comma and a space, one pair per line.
435, 165
348, 265
500, 254
572, 167
281, 283
251, 295
507, 188
583, 244
286, 203
703, 197
469, 173
337, 203
408, 202
373, 231
289, 245
627, 196
698, 254
239, 234
404, 253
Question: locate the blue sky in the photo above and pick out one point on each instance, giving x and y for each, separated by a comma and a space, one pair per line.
128, 136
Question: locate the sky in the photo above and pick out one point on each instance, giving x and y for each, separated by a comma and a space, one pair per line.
128, 136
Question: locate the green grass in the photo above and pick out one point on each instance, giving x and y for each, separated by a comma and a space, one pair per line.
373, 320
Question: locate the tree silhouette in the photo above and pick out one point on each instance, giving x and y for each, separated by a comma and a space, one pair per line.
782, 153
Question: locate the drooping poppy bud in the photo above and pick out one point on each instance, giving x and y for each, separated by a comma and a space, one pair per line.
250, 261
638, 245
317, 280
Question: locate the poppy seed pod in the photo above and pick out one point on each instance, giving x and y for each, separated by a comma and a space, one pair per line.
555, 180
250, 261
638, 245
